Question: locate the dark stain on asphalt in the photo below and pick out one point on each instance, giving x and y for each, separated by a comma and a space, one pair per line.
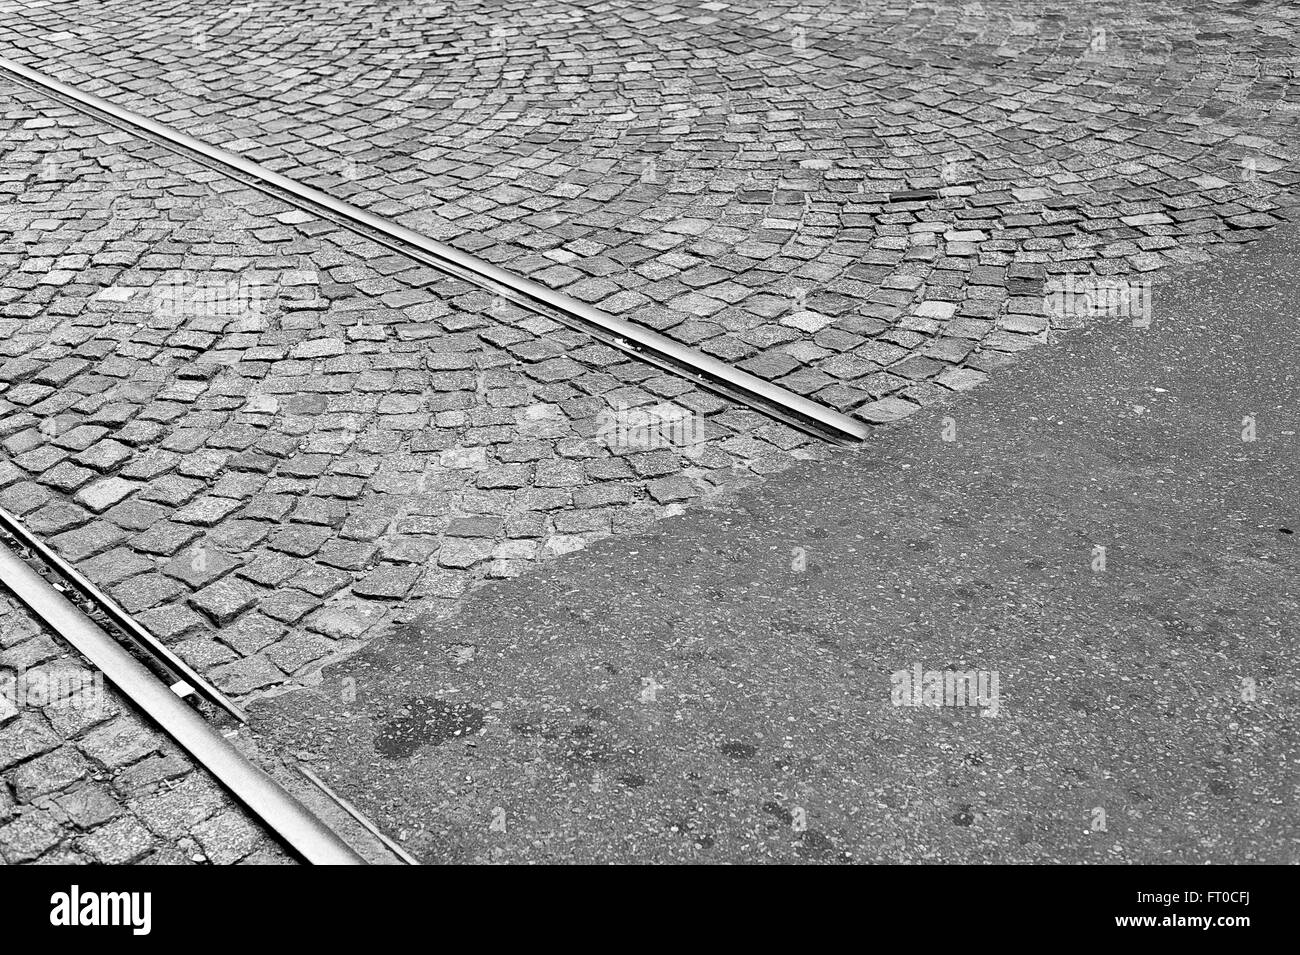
776, 809
700, 840
425, 721
813, 845
738, 750
1085, 704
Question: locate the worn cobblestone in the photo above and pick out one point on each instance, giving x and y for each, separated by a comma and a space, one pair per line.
782, 185
318, 456
83, 780
269, 437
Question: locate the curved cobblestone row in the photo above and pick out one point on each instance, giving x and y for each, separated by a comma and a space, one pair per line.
753, 181
265, 435
269, 438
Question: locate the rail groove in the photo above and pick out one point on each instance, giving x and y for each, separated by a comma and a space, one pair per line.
295, 824
184, 678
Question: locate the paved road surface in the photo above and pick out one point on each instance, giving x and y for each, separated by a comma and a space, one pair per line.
844, 197
272, 440
1145, 712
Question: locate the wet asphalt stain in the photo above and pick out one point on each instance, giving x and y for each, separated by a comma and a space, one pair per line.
426, 721
780, 812
738, 750
813, 845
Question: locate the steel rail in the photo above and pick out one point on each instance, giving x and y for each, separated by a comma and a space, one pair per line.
636, 340
266, 798
186, 676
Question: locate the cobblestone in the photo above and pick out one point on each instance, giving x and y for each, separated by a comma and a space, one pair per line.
83, 780
269, 437
781, 184
305, 460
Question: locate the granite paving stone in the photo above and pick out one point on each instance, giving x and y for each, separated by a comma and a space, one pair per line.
273, 438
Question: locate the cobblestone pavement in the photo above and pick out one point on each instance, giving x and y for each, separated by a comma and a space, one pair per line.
267, 438
859, 201
271, 439
726, 688
264, 437
83, 779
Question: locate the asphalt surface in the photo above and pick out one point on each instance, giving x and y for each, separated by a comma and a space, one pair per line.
1146, 712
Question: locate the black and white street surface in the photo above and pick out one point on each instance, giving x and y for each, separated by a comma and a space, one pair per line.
722, 688
523, 597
